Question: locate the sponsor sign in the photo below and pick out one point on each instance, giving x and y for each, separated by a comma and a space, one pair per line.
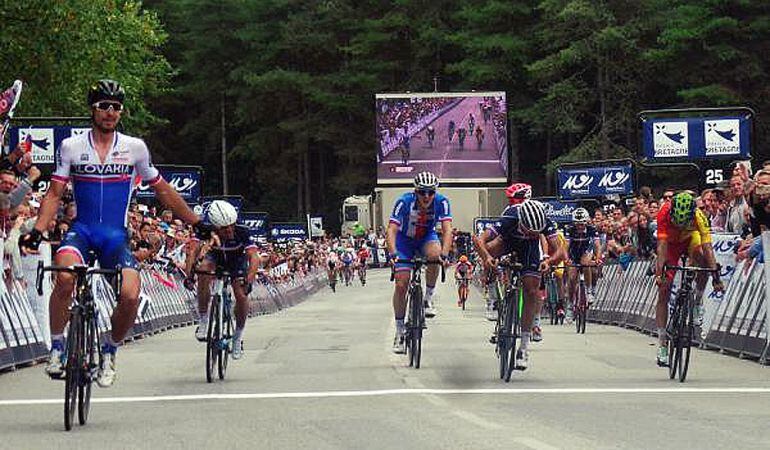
697, 138
724, 245
256, 222
45, 140
286, 231
481, 224
187, 180
317, 227
559, 211
581, 182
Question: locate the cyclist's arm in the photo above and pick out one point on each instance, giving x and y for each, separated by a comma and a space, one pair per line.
597, 249
193, 251
556, 252
391, 237
254, 262
173, 201
661, 260
446, 229
50, 204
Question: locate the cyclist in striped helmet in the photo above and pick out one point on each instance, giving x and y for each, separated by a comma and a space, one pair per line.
520, 229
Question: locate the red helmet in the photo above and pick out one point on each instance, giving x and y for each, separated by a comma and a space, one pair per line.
518, 193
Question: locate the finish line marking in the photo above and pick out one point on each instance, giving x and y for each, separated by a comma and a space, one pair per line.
394, 392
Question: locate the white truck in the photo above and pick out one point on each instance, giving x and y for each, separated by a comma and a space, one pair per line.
466, 203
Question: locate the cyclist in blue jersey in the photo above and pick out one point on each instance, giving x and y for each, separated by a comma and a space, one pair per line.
521, 226
230, 249
411, 231
584, 248
101, 165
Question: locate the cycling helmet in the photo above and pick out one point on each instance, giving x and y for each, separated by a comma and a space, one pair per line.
682, 208
222, 213
532, 215
106, 90
518, 192
463, 259
426, 180
580, 215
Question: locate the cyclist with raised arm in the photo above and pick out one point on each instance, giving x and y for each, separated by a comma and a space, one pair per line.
463, 273
521, 226
584, 248
101, 164
683, 229
412, 231
230, 249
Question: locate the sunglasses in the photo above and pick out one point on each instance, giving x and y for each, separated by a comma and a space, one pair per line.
425, 192
106, 106
668, 196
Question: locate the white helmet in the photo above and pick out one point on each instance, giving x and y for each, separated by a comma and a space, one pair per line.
222, 213
532, 215
426, 180
580, 215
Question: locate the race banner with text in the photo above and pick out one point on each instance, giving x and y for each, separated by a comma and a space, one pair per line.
45, 139
559, 211
286, 231
697, 138
724, 245
585, 182
187, 180
256, 222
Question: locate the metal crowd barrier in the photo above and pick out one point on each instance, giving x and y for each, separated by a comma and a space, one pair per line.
735, 322
164, 304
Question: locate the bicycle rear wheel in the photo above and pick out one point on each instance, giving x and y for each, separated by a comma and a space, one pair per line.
90, 352
226, 341
72, 370
212, 338
687, 333
515, 333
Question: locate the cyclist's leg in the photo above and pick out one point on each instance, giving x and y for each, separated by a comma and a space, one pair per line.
71, 252
403, 270
431, 249
698, 257
674, 251
586, 259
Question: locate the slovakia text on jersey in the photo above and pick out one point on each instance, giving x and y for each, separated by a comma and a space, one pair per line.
414, 223
103, 189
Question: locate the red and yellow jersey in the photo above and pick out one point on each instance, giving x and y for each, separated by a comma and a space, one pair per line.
696, 233
464, 268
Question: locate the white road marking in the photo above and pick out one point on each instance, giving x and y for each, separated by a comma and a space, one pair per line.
533, 443
396, 392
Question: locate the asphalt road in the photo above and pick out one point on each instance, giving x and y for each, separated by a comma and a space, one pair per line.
446, 158
321, 376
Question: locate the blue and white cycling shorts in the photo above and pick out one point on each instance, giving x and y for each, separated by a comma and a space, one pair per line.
527, 254
110, 244
407, 248
578, 249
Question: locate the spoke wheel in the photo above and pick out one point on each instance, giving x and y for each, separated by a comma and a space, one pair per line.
673, 341
225, 342
417, 319
72, 370
212, 339
90, 352
687, 332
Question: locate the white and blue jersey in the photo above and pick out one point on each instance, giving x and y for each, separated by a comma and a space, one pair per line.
417, 227
580, 242
102, 192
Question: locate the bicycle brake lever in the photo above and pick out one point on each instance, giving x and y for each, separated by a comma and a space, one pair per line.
39, 281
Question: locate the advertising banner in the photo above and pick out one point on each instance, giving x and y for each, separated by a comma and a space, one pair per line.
256, 222
580, 182
286, 231
187, 180
724, 250
480, 224
317, 227
559, 211
460, 137
697, 138
45, 139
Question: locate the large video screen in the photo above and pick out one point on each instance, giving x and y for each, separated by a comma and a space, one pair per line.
461, 137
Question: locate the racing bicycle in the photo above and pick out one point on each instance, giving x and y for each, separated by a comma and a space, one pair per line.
83, 355
219, 335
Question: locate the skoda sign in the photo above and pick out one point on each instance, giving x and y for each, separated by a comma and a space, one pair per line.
285, 231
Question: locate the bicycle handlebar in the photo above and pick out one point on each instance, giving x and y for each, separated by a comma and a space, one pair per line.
79, 270
419, 262
692, 269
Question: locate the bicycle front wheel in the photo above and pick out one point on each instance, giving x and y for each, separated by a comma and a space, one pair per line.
90, 352
416, 321
72, 370
674, 329
226, 341
212, 338
687, 334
